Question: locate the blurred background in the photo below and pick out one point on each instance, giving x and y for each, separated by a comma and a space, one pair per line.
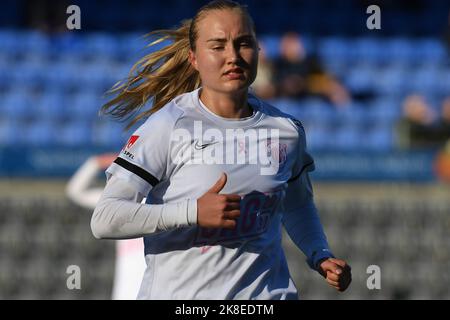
375, 105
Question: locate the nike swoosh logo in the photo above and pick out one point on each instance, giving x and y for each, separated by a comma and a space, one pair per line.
197, 146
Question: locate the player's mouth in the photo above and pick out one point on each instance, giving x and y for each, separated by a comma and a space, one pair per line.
235, 73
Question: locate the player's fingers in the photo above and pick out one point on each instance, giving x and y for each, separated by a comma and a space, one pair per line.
339, 262
232, 206
333, 283
233, 214
331, 266
229, 224
233, 198
220, 183
332, 276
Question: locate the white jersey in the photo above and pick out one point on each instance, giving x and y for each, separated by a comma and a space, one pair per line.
178, 154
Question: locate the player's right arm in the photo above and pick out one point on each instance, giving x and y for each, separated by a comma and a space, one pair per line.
120, 215
140, 166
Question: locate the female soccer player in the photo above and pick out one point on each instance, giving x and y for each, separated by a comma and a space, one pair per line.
221, 169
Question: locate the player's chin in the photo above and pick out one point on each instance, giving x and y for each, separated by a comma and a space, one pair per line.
236, 85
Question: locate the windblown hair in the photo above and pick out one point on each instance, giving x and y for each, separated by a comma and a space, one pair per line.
164, 74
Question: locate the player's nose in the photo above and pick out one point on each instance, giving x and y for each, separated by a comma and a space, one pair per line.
232, 56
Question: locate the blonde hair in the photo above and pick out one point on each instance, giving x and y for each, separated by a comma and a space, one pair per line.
164, 74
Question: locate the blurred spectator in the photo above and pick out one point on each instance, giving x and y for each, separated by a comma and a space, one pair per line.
298, 74
442, 163
263, 85
416, 127
443, 129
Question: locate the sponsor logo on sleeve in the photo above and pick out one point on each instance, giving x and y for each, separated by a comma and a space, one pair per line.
128, 145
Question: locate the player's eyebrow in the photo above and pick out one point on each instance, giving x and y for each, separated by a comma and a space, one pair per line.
217, 40
242, 37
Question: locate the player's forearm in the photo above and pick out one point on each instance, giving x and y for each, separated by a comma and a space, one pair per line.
119, 215
304, 228
118, 219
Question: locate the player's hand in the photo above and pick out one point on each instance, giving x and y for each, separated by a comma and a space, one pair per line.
105, 160
216, 210
337, 273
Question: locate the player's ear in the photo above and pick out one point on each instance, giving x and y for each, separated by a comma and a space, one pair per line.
193, 59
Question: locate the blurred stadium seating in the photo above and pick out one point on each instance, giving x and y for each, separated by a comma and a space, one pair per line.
405, 235
58, 93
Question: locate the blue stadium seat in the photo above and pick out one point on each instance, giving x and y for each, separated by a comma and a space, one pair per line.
132, 46
335, 48
430, 49
8, 132
62, 76
35, 42
368, 50
317, 111
30, 73
379, 138
97, 75
352, 115
347, 137
399, 49
318, 137
85, 106
361, 78
53, 105
10, 40
17, 104
40, 133
106, 132
443, 84
425, 79
289, 106
391, 80
74, 133
102, 45
385, 109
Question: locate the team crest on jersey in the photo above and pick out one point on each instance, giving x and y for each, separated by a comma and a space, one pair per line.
130, 142
277, 152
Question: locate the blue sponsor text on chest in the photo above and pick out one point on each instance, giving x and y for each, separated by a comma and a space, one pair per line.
229, 146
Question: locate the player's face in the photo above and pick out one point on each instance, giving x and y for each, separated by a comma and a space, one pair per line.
226, 54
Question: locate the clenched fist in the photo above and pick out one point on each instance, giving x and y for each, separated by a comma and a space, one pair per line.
337, 273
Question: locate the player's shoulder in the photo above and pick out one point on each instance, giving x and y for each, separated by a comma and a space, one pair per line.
165, 118
292, 121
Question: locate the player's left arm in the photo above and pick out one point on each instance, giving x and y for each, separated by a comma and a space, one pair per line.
302, 223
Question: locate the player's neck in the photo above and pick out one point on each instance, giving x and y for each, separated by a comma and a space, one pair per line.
226, 105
